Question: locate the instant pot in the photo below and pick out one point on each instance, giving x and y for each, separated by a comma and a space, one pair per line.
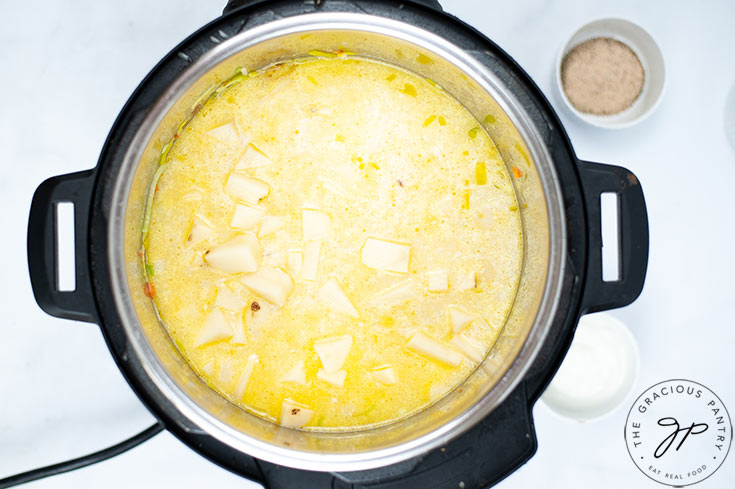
481, 431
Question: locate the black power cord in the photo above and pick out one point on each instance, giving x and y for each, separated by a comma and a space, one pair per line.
84, 461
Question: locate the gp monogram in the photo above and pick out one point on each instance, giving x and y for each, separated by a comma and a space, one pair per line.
678, 432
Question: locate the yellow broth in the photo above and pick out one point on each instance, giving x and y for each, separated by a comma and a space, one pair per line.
376, 249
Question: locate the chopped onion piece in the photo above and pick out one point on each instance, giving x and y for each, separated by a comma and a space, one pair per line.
460, 319
469, 347
310, 266
315, 225
252, 158
229, 299
385, 255
385, 375
274, 259
332, 294
335, 189
305, 301
295, 259
295, 374
215, 328
333, 352
226, 133
197, 260
272, 284
238, 328
378, 330
201, 229
193, 196
257, 321
246, 216
437, 390
295, 415
208, 367
245, 188
240, 254
242, 382
335, 378
225, 374
431, 348
270, 225
325, 110
467, 281
438, 281
400, 293
407, 331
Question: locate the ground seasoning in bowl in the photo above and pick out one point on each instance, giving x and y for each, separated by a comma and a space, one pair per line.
602, 76
610, 73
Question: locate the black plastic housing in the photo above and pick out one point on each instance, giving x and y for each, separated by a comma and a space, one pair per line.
505, 439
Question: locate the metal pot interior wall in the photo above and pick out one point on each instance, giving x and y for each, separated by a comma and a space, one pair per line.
540, 207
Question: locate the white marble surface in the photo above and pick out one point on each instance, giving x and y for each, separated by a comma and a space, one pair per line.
66, 68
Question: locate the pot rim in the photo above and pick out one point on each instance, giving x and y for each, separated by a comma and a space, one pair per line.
556, 263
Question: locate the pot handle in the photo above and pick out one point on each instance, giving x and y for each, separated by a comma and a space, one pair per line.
600, 295
236, 4
77, 304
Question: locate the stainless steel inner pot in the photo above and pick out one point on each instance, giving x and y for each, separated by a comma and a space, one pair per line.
541, 210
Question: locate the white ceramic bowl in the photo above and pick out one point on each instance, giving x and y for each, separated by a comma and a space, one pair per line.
598, 372
648, 53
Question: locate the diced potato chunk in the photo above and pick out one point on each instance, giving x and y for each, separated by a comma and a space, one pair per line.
334, 296
438, 281
295, 375
272, 284
295, 259
310, 266
226, 133
460, 319
246, 189
315, 225
252, 158
201, 229
385, 375
242, 383
246, 216
270, 225
337, 378
385, 255
241, 254
467, 281
425, 345
295, 415
215, 328
400, 293
468, 346
333, 352
229, 299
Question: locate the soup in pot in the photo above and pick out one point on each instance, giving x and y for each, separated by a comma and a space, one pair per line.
332, 242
